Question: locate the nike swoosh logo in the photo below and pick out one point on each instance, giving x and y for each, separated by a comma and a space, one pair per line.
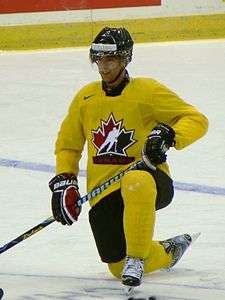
89, 96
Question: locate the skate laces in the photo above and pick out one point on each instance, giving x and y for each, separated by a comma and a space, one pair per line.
133, 267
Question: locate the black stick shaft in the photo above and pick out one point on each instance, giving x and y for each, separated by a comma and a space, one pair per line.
26, 234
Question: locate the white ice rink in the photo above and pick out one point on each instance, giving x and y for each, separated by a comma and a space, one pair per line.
61, 262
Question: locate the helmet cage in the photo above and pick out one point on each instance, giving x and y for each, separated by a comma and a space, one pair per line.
98, 51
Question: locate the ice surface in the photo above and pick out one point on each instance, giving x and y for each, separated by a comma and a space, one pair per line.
62, 263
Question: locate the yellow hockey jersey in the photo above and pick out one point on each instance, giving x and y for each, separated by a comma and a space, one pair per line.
116, 128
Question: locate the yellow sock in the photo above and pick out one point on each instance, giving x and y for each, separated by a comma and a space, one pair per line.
138, 190
157, 259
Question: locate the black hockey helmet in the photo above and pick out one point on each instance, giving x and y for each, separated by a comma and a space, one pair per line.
112, 41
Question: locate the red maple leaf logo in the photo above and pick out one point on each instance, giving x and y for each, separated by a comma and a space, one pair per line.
111, 138
100, 135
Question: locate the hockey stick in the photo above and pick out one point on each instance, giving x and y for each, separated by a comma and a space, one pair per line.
92, 194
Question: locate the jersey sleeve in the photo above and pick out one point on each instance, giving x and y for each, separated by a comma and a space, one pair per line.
70, 140
189, 124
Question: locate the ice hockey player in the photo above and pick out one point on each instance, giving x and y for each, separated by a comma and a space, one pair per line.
123, 120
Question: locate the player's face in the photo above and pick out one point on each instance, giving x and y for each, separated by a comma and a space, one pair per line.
109, 68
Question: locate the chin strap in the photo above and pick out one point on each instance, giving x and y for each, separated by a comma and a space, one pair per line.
116, 90
118, 76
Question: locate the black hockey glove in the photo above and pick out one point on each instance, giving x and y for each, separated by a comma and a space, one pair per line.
159, 141
65, 196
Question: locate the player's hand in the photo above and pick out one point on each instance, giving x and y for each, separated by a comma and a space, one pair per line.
65, 195
158, 142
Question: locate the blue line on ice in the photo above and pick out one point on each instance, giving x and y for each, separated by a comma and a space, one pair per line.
198, 188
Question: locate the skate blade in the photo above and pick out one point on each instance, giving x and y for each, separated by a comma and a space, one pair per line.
195, 236
128, 290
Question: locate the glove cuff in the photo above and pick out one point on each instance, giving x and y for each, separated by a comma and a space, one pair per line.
63, 180
168, 134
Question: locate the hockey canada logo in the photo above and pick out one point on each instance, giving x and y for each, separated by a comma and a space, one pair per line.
111, 140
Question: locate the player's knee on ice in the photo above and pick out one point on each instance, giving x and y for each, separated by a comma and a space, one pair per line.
116, 268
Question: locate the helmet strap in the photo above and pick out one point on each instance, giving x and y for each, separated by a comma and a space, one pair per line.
117, 89
117, 77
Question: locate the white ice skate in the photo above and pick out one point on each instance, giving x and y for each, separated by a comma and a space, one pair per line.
132, 273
